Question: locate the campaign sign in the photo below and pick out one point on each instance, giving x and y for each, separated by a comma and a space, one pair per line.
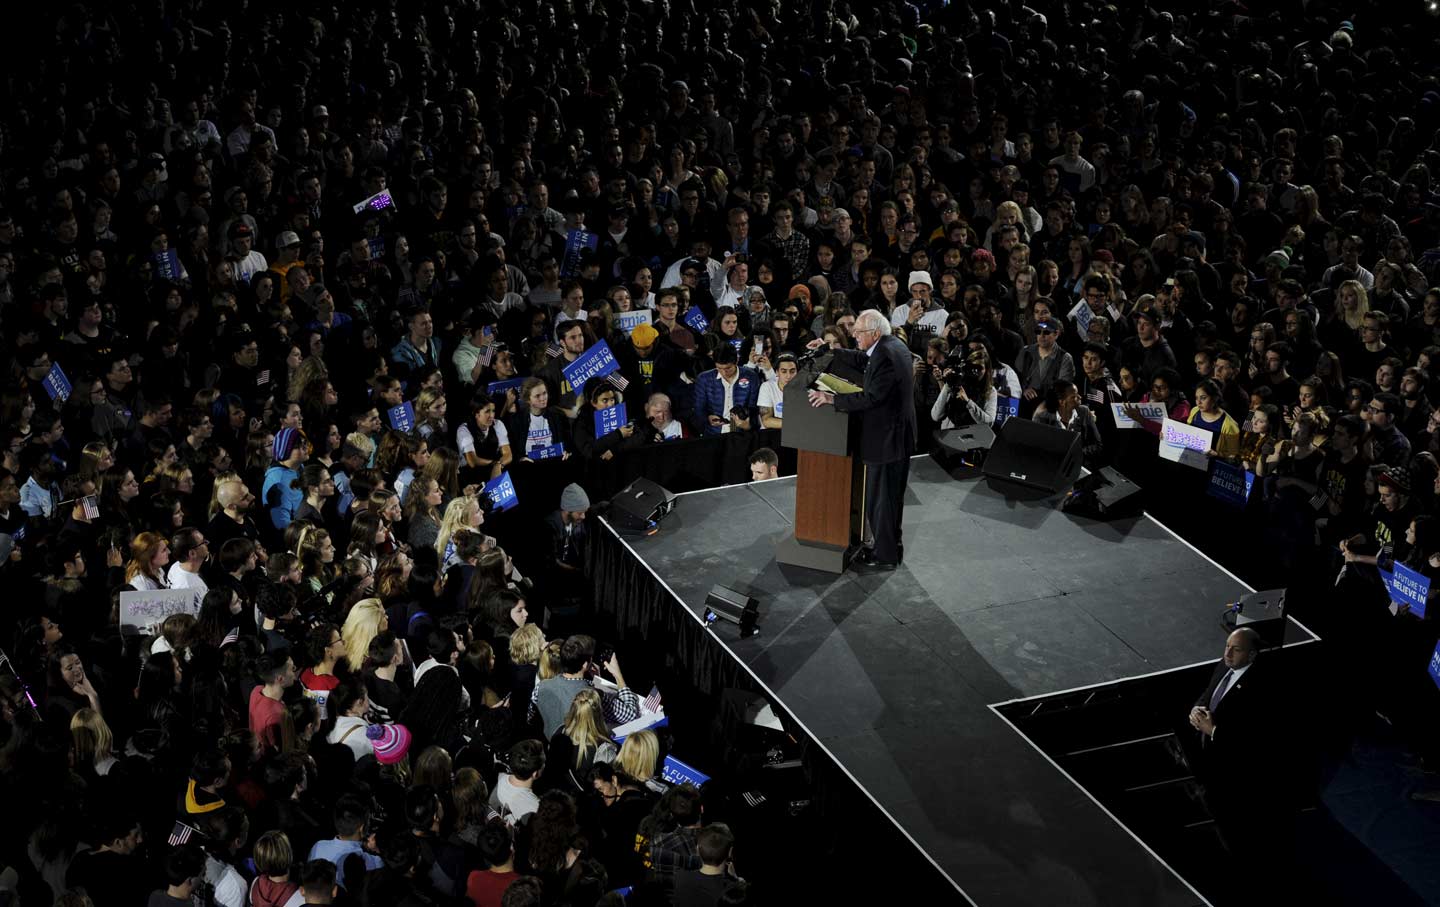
1153, 411
576, 241
596, 362
500, 387
56, 384
608, 420
501, 492
1435, 665
1006, 408
402, 417
1185, 444
696, 321
553, 452
677, 772
1230, 483
1407, 587
626, 322
142, 611
1082, 314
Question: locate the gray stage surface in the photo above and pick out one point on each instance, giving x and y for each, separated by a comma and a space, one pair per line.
894, 673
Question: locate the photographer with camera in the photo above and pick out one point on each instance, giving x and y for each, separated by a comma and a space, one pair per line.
967, 390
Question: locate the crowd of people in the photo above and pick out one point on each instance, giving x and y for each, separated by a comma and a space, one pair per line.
293, 298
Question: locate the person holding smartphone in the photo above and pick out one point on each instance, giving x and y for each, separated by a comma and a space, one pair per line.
726, 396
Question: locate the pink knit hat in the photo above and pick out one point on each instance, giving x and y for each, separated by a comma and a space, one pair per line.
391, 742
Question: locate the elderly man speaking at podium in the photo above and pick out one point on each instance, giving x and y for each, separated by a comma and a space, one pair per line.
886, 404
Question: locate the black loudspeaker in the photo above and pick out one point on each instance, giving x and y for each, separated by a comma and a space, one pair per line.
1034, 455
724, 603
640, 506
1104, 495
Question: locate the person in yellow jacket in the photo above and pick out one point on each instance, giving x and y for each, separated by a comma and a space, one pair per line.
1209, 414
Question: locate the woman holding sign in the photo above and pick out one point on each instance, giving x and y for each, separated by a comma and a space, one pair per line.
537, 425
600, 436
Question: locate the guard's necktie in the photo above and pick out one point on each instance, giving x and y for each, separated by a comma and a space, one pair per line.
1220, 689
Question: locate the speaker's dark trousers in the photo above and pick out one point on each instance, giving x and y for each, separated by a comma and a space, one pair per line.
885, 506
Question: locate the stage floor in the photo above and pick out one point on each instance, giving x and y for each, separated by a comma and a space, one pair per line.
894, 673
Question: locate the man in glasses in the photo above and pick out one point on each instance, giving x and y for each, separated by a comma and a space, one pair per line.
886, 405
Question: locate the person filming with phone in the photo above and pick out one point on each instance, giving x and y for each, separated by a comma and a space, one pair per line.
726, 396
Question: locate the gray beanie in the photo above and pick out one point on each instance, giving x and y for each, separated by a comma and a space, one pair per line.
574, 499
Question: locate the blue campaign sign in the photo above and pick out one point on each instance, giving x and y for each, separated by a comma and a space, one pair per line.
596, 362
1230, 483
737, 343
1006, 408
696, 321
1407, 587
608, 420
1435, 665
56, 384
402, 417
576, 241
501, 492
554, 451
677, 772
500, 387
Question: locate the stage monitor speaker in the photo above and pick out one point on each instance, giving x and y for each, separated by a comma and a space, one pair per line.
724, 603
967, 439
1104, 495
1034, 455
640, 506
1263, 612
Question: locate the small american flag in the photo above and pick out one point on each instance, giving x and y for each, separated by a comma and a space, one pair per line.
552, 350
181, 834
617, 381
652, 702
92, 508
232, 637
262, 377
753, 798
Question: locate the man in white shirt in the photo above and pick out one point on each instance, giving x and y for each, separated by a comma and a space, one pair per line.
514, 795
191, 550
728, 285
772, 392
658, 413
242, 244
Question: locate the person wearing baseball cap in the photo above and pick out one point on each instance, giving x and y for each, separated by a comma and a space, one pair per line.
1041, 364
242, 245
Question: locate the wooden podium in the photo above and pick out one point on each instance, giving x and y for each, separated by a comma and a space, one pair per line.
829, 482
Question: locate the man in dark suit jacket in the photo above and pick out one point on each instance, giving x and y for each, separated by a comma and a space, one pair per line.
887, 436
1231, 718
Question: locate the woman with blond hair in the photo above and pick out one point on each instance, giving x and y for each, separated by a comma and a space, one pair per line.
92, 740
638, 756
430, 409
1352, 303
364, 622
582, 741
522, 671
149, 555
461, 513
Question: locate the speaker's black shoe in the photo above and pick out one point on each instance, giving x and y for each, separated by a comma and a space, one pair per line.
867, 559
